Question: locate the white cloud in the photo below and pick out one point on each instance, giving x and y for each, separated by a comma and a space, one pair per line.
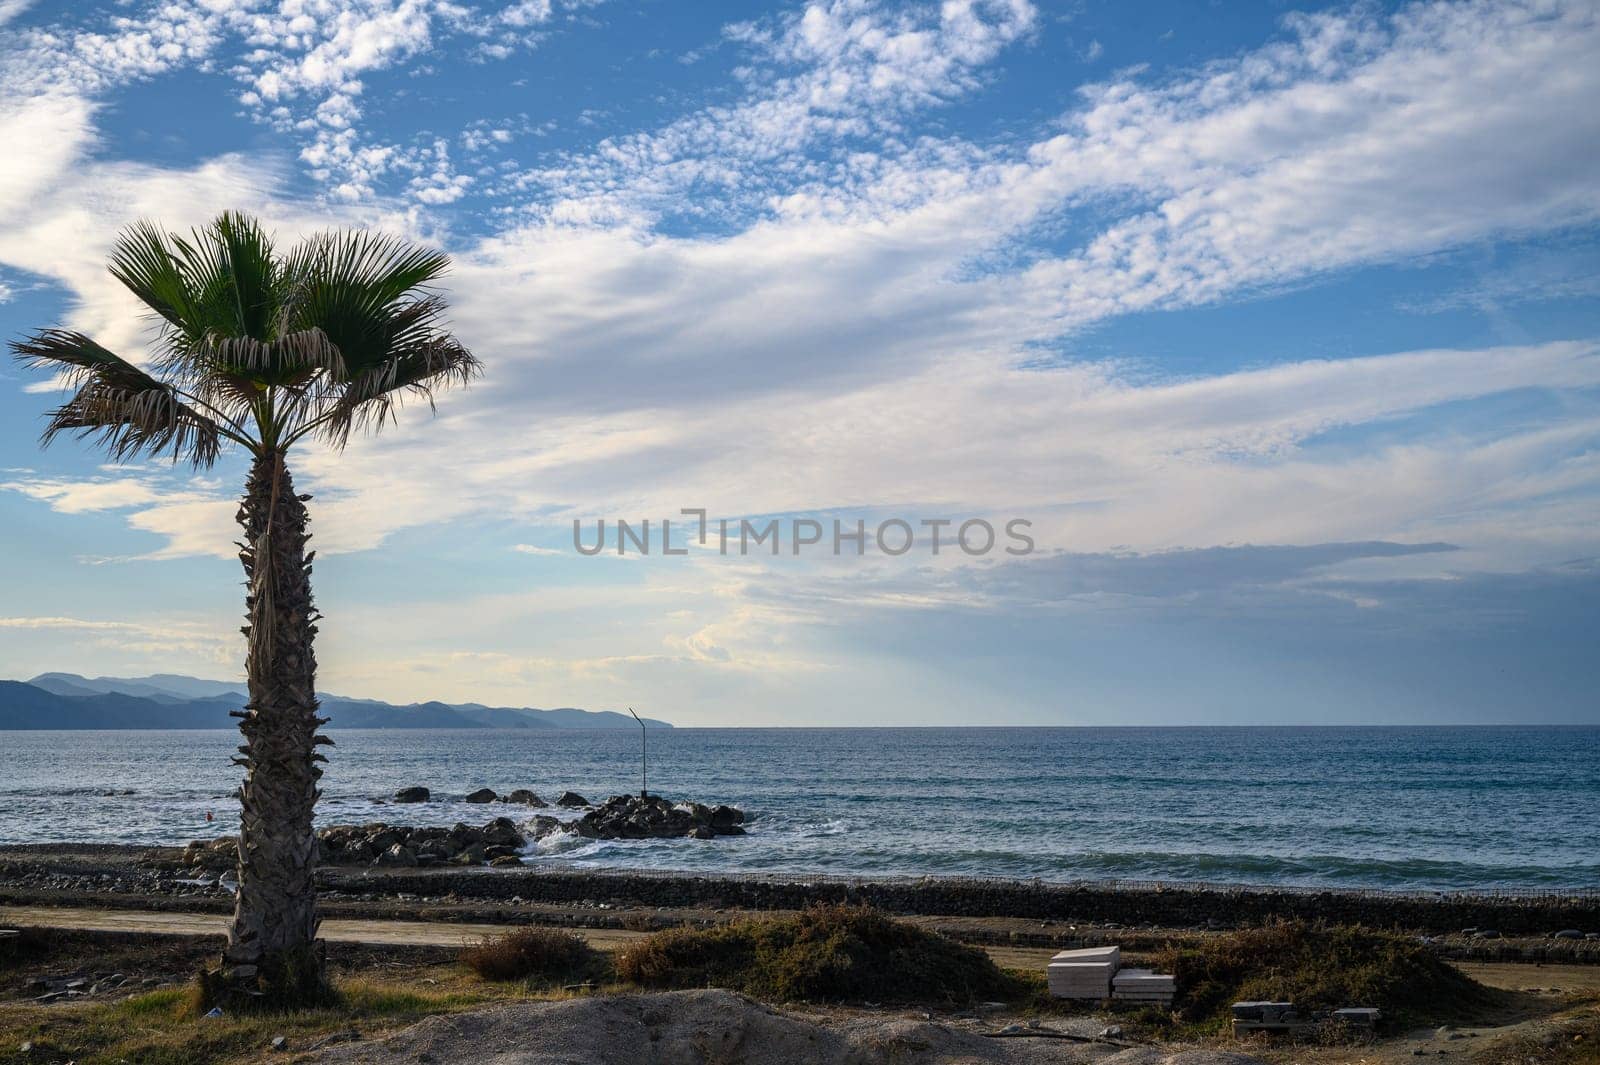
302, 65
160, 641
10, 9
862, 68
860, 330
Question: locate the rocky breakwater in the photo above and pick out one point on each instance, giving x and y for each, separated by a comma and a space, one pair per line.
498, 843
649, 817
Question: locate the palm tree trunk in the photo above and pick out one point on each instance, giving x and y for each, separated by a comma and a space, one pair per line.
273, 951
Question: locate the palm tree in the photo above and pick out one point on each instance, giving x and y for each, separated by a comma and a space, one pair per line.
260, 350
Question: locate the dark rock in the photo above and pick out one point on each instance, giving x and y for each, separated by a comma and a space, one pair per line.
502, 831
505, 860
483, 795
544, 826
436, 849
472, 855
653, 817
412, 795
385, 838
572, 798
399, 854
491, 853
524, 797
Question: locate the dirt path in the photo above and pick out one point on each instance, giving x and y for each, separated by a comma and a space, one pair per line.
1513, 976
407, 933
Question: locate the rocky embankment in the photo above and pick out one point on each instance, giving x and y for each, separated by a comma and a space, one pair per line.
499, 842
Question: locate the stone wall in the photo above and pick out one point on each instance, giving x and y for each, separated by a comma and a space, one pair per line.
1166, 906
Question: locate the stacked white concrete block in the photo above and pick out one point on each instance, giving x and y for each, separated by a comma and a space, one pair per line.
1143, 985
1097, 973
1083, 974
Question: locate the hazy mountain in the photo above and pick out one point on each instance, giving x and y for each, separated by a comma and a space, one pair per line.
157, 685
68, 701
23, 706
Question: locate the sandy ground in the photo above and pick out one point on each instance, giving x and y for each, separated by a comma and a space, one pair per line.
716, 1027
335, 930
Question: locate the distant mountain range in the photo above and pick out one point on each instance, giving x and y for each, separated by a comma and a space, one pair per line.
169, 701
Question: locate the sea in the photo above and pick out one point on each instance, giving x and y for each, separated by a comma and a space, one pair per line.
1414, 809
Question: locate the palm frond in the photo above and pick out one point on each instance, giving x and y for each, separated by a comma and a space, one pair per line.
263, 347
370, 400
125, 410
146, 261
365, 292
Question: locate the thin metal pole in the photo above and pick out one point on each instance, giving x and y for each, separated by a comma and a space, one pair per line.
644, 761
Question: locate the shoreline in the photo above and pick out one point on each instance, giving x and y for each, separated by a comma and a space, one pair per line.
1509, 894
1021, 911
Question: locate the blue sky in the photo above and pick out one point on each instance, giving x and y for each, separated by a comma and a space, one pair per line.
1280, 323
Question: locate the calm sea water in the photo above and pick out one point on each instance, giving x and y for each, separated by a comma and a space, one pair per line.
1393, 808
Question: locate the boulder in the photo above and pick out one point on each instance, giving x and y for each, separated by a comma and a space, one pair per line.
436, 849
524, 797
412, 795
652, 817
544, 825
573, 799
483, 795
473, 855
385, 837
399, 855
219, 854
502, 831
505, 860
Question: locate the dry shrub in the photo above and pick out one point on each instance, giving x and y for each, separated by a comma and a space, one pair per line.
1319, 967
824, 954
548, 954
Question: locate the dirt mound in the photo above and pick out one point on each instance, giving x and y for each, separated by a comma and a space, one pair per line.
697, 1027
823, 954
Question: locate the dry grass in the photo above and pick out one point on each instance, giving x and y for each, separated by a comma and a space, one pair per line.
1322, 967
542, 955
159, 1027
380, 989
824, 954
1574, 1041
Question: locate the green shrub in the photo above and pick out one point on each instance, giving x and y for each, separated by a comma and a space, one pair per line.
1318, 967
545, 954
824, 954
